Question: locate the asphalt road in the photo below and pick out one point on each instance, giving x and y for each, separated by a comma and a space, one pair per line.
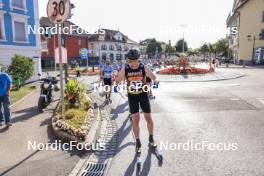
228, 112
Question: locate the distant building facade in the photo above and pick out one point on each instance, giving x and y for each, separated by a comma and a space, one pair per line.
15, 17
73, 42
111, 45
247, 18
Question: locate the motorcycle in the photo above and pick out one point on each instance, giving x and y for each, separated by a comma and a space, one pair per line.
46, 88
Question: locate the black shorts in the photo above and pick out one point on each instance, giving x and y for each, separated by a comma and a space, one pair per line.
107, 82
136, 100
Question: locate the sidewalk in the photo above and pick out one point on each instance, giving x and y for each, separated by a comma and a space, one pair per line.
30, 126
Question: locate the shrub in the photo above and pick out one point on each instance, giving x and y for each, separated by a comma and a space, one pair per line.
74, 91
21, 68
85, 102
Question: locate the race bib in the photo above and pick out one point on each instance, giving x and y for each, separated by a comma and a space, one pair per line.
136, 86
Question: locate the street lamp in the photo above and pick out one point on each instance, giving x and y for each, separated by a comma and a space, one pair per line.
253, 38
183, 46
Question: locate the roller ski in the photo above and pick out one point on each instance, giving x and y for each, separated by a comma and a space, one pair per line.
156, 151
138, 159
108, 100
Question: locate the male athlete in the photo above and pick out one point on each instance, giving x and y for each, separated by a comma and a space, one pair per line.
106, 75
135, 74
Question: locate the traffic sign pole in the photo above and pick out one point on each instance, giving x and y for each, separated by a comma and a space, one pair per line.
58, 11
61, 74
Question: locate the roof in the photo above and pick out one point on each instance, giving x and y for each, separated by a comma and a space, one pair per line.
44, 22
109, 36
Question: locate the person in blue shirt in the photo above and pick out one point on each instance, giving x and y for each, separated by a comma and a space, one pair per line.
106, 75
5, 88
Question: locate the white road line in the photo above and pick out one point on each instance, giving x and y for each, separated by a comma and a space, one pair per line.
234, 99
212, 100
187, 100
261, 100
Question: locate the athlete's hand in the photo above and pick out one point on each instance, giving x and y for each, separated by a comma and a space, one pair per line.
156, 84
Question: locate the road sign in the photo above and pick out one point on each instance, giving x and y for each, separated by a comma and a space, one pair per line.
64, 55
84, 53
58, 10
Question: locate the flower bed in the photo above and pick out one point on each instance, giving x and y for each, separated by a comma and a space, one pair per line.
86, 72
190, 70
79, 115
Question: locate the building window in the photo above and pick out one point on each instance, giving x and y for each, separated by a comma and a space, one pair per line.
125, 48
62, 41
118, 56
18, 4
111, 47
104, 56
103, 47
111, 57
1, 4
20, 31
2, 27
262, 34
1, 30
19, 26
263, 17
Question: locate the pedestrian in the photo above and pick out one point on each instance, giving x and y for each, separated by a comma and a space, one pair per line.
5, 88
78, 71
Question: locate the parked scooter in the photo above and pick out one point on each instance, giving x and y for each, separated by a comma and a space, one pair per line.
46, 88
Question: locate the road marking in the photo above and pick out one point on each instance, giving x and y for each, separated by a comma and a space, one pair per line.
234, 99
187, 100
213, 100
261, 100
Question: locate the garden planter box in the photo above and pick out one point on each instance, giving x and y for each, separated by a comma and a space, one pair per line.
87, 134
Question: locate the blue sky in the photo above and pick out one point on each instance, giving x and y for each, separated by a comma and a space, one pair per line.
162, 19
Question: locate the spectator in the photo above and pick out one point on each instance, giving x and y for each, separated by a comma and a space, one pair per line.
78, 71
5, 88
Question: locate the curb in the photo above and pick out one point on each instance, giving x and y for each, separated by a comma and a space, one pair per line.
91, 136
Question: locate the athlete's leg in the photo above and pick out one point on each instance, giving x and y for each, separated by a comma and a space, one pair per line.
150, 123
135, 124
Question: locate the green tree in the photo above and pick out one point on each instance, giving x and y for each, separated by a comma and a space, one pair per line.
221, 47
179, 46
204, 49
21, 68
212, 49
153, 47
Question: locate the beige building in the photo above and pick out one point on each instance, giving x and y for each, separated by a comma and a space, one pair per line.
111, 45
246, 24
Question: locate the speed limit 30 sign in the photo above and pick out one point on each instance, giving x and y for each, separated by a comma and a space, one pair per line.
58, 10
